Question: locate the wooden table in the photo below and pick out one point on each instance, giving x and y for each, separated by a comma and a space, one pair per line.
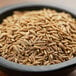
67, 3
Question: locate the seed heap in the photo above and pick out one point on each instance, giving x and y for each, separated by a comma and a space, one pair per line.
41, 37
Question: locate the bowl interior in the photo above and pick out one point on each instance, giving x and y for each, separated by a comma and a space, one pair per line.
30, 8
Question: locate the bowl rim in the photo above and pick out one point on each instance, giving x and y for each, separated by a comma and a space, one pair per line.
26, 68
19, 67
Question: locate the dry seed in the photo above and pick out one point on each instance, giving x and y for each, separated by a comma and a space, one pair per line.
41, 37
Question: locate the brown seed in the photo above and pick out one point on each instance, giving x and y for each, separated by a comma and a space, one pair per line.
38, 37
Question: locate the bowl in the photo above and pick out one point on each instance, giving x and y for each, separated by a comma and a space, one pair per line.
19, 69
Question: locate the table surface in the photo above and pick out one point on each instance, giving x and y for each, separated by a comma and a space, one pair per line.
67, 3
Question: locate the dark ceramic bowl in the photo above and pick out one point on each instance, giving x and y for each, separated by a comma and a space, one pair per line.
18, 69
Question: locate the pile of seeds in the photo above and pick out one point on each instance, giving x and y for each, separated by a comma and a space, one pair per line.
41, 37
